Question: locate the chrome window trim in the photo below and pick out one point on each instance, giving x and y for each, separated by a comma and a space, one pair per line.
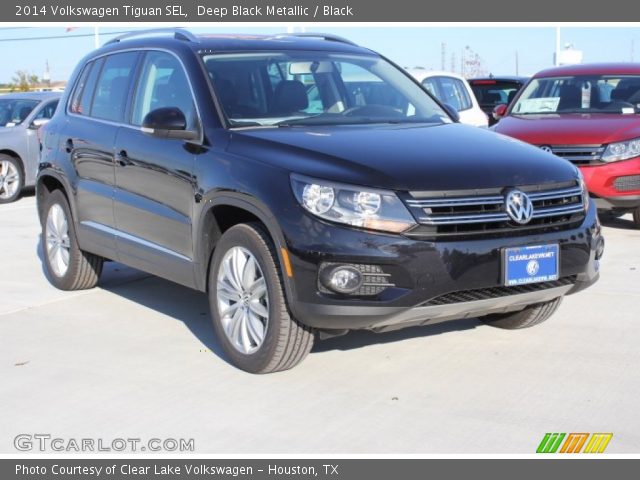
200, 139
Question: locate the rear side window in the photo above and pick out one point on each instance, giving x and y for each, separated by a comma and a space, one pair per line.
163, 83
449, 90
83, 92
112, 88
491, 93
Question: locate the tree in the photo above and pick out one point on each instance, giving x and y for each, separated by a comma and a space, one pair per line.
23, 81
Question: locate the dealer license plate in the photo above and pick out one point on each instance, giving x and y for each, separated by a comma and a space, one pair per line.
533, 264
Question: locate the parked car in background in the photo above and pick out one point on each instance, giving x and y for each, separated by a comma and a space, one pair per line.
453, 90
590, 115
21, 114
196, 158
493, 91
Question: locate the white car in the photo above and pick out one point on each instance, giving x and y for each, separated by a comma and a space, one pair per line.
455, 91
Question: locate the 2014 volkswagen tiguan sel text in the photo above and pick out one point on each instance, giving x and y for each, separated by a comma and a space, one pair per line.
309, 186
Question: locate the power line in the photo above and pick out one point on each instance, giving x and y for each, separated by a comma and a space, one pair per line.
75, 35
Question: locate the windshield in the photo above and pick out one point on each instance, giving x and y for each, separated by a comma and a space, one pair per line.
580, 94
14, 111
316, 88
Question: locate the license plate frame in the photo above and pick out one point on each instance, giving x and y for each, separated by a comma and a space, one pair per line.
524, 265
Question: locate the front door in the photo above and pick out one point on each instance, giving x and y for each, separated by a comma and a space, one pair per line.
155, 194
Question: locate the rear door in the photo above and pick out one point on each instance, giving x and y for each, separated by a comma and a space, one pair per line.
95, 114
155, 186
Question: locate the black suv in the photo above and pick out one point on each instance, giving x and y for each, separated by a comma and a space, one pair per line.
309, 186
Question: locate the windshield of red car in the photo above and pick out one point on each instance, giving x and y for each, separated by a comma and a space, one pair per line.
614, 94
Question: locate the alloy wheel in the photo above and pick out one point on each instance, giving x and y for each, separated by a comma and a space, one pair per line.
57, 240
9, 179
243, 300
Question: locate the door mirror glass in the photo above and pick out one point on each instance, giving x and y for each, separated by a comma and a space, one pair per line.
167, 122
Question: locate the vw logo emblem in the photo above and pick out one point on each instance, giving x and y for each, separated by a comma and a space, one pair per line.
532, 267
518, 206
546, 148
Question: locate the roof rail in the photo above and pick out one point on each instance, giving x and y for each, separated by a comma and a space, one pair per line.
325, 36
178, 34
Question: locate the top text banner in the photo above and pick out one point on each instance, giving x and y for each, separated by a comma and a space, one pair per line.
185, 11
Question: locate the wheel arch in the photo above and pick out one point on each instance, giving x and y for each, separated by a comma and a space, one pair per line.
46, 183
212, 226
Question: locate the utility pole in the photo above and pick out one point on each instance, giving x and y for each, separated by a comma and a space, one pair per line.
517, 66
96, 37
633, 49
557, 59
453, 62
443, 55
462, 60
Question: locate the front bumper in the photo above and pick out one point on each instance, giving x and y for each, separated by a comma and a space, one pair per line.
422, 271
601, 182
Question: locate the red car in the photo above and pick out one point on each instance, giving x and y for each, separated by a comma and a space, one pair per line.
589, 115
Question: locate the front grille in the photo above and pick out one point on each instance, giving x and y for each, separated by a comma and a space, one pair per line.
578, 154
496, 292
627, 183
375, 279
461, 213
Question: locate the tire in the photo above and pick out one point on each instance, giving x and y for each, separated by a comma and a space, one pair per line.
59, 243
530, 316
636, 218
11, 178
267, 338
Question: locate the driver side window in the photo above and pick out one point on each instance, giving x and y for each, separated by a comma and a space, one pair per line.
162, 83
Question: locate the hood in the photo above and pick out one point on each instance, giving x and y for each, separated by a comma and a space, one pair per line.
403, 157
571, 129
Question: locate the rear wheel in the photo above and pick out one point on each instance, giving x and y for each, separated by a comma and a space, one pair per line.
530, 316
248, 307
11, 179
68, 267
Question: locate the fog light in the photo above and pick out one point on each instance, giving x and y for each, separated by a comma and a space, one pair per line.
343, 279
599, 248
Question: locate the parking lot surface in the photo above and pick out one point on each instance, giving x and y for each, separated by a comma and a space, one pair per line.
136, 357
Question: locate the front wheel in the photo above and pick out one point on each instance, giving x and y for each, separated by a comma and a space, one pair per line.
248, 306
11, 179
530, 316
636, 218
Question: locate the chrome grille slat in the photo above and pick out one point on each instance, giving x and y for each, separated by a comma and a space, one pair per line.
580, 154
451, 214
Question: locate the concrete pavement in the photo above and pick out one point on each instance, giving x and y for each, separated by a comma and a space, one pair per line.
136, 357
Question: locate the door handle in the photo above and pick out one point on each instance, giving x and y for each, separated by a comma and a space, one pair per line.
69, 145
123, 158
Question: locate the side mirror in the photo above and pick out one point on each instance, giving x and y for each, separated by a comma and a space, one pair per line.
451, 110
499, 111
167, 122
38, 122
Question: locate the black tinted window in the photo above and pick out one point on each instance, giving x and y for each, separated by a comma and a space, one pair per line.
163, 83
112, 89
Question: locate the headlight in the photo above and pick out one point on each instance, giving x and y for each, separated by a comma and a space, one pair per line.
622, 150
356, 206
585, 190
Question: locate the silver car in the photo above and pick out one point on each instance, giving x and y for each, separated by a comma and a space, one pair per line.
21, 114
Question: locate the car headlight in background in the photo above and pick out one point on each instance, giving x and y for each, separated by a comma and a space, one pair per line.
360, 207
622, 150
